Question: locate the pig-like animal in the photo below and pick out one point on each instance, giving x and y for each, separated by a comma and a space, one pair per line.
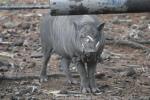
78, 39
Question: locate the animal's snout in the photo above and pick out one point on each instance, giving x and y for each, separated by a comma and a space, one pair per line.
90, 44
91, 50
88, 54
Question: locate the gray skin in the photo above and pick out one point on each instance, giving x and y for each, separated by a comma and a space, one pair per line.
78, 39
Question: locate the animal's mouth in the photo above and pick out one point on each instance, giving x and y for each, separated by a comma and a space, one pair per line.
91, 49
89, 54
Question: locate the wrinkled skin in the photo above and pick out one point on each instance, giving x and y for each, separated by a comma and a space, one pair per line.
78, 39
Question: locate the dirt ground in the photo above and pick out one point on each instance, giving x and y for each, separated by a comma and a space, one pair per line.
125, 75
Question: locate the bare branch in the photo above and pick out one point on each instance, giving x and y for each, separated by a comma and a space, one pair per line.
131, 44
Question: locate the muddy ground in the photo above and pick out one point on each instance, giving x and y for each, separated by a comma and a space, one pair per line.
124, 74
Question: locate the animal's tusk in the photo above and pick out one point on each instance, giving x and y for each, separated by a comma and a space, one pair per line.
90, 38
97, 44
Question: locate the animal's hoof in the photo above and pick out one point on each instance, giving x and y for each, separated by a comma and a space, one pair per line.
95, 90
86, 90
43, 79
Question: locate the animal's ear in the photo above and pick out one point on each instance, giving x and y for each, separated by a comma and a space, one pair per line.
100, 26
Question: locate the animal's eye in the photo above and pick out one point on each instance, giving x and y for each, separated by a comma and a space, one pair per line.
81, 36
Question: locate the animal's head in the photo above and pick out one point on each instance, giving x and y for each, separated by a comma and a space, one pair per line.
90, 36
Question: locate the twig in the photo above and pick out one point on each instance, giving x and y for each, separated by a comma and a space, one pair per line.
20, 43
128, 43
5, 56
19, 77
141, 41
6, 43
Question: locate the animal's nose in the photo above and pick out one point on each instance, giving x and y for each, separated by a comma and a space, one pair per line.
90, 53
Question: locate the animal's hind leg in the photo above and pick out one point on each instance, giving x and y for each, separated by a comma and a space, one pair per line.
65, 67
46, 57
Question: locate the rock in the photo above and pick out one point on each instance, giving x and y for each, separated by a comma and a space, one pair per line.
22, 92
134, 26
34, 89
144, 81
117, 20
24, 82
144, 98
22, 65
19, 42
148, 56
135, 34
4, 69
17, 98
130, 72
100, 75
31, 65
25, 25
36, 82
15, 49
26, 91
1, 74
9, 25
2, 95
32, 98
149, 26
143, 27
105, 54
36, 55
4, 63
26, 42
144, 17
63, 91
1, 39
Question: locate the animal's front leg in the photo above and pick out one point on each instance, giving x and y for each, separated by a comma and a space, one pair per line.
91, 68
46, 57
84, 79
